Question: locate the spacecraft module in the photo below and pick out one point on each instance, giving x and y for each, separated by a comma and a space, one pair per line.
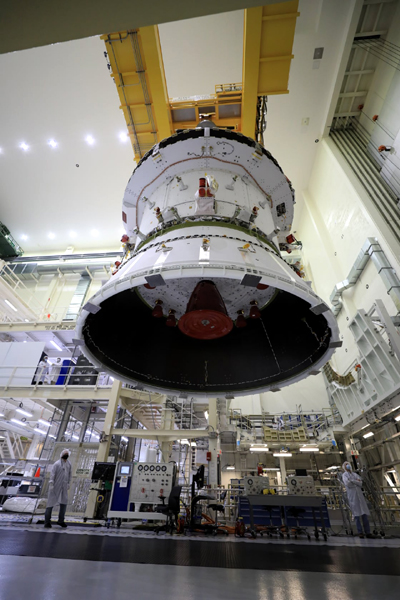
203, 303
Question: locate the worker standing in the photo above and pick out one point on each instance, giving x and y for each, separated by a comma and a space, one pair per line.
357, 503
60, 479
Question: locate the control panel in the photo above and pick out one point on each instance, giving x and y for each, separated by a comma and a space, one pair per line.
152, 480
255, 485
301, 486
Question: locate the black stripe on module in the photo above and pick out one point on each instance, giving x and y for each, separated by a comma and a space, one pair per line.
228, 555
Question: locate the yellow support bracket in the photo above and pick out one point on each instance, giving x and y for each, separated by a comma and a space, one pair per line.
267, 55
137, 68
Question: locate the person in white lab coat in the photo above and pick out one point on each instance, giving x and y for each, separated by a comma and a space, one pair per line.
60, 478
357, 503
55, 371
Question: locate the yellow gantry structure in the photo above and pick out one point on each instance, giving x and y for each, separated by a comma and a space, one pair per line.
137, 68
267, 55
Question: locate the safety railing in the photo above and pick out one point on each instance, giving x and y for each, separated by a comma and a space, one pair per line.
34, 376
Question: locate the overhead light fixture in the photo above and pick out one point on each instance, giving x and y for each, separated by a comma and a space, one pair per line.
52, 143
1, 415
89, 140
397, 418
24, 146
259, 449
43, 422
271, 469
230, 468
75, 437
55, 345
309, 449
391, 471
123, 136
41, 431
24, 412
332, 468
124, 439
206, 414
111, 378
11, 305
51, 235
94, 232
283, 454
25, 342
24, 237
369, 434
18, 422
52, 436
72, 234
26, 320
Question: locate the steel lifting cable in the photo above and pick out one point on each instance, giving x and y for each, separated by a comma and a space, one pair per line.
373, 43
375, 51
368, 141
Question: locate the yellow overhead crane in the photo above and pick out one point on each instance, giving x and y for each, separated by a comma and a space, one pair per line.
137, 68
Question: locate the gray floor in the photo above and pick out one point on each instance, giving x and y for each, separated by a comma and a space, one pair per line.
54, 579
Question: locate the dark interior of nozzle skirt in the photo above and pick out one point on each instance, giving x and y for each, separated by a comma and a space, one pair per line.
287, 340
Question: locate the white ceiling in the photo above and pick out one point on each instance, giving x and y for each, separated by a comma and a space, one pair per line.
64, 92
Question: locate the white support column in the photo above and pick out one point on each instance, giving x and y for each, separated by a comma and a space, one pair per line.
282, 465
109, 421
167, 425
213, 444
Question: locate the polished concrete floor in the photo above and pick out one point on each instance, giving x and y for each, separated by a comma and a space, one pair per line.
55, 579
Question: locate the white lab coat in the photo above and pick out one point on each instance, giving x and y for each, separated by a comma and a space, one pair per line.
55, 372
60, 479
355, 496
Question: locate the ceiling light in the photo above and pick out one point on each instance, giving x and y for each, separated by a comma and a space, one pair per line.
94, 232
332, 468
90, 140
369, 434
230, 468
52, 143
124, 439
41, 431
18, 422
43, 422
283, 454
56, 345
51, 236
123, 136
271, 469
24, 146
309, 449
75, 437
26, 320
206, 414
24, 237
11, 305
111, 378
25, 342
391, 471
1, 415
397, 418
258, 449
24, 412
72, 234
52, 436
